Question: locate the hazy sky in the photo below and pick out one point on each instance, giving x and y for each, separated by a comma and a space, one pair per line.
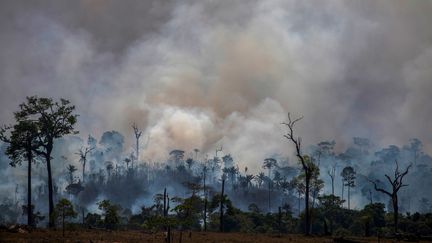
205, 73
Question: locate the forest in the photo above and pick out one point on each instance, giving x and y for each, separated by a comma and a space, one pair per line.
363, 191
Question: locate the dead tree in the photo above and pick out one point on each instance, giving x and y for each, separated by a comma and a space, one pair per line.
306, 164
83, 152
221, 228
138, 134
396, 184
332, 174
218, 150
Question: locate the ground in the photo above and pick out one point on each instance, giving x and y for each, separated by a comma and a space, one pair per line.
41, 235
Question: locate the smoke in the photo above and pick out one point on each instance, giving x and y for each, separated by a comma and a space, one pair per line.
205, 74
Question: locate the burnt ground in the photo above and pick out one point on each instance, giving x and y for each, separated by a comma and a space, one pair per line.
41, 235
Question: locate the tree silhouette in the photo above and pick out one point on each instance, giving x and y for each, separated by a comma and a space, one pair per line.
349, 175
269, 163
306, 163
260, 179
396, 184
64, 209
332, 174
137, 134
232, 172
83, 153
21, 146
71, 169
53, 119
109, 168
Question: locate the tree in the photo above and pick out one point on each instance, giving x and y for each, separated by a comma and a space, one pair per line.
269, 163
260, 179
221, 215
53, 120
396, 184
83, 152
332, 174
64, 209
21, 146
137, 134
232, 172
71, 169
177, 155
189, 163
306, 163
329, 204
109, 168
228, 161
110, 213
349, 175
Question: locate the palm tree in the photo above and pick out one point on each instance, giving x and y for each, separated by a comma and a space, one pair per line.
83, 153
232, 172
249, 179
260, 179
71, 169
269, 163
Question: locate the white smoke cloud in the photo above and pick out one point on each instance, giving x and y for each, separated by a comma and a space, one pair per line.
200, 74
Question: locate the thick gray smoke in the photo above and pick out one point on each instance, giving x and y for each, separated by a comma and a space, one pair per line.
205, 74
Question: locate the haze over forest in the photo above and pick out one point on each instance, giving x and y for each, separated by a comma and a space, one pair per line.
210, 74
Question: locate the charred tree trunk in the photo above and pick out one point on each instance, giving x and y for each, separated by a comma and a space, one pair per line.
395, 212
348, 197
306, 166
396, 185
307, 210
221, 228
51, 223
29, 194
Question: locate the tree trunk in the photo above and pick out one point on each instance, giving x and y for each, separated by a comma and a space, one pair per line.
205, 204
299, 200
269, 195
342, 190
51, 223
332, 184
29, 204
307, 212
83, 174
164, 203
395, 212
137, 150
221, 207
348, 197
63, 218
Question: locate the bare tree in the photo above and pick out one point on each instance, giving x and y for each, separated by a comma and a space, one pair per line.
83, 153
138, 134
306, 164
332, 174
396, 184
